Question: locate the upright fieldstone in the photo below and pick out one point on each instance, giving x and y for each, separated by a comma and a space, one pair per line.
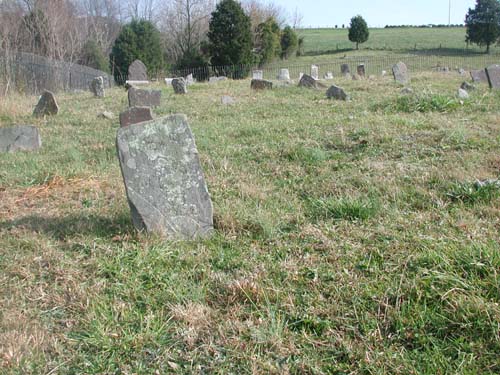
163, 178
97, 87
400, 72
179, 85
19, 138
137, 71
135, 115
361, 70
493, 74
143, 98
345, 71
47, 105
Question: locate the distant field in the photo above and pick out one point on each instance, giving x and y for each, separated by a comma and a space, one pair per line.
321, 40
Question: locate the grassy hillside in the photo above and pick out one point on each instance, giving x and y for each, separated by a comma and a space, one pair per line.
351, 238
449, 39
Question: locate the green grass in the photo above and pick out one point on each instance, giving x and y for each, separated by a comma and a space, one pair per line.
350, 238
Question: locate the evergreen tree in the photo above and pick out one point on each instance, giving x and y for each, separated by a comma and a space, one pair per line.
483, 23
138, 40
358, 31
268, 41
230, 38
289, 42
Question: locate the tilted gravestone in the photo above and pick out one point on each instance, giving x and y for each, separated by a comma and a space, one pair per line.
47, 105
310, 82
493, 74
336, 92
344, 70
163, 178
261, 84
479, 76
257, 74
361, 70
97, 87
143, 98
135, 115
19, 138
400, 72
315, 71
137, 71
179, 85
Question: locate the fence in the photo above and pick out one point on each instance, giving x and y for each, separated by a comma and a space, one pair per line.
31, 74
374, 65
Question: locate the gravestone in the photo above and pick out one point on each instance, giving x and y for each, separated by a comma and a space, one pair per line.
217, 79
284, 75
227, 100
137, 71
261, 84
19, 138
165, 186
315, 72
310, 82
336, 92
257, 74
97, 87
462, 94
493, 74
462, 71
407, 91
384, 73
467, 86
135, 115
328, 75
479, 76
190, 80
47, 105
168, 81
143, 98
179, 85
301, 75
400, 72
361, 70
344, 70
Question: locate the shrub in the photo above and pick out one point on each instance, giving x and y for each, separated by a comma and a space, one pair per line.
289, 42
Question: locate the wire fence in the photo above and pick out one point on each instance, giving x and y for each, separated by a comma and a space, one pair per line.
31, 74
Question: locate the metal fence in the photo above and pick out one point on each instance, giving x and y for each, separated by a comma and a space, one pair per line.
31, 74
374, 65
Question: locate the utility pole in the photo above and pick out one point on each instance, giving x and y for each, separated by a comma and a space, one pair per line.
449, 12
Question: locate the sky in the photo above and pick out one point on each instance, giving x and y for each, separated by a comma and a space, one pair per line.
378, 13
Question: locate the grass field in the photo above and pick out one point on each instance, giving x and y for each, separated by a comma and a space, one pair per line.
351, 238
400, 39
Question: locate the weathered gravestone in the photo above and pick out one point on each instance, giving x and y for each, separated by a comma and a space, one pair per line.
336, 92
217, 79
315, 71
328, 75
143, 98
19, 138
189, 79
400, 72
179, 85
479, 76
257, 74
284, 75
261, 84
462, 94
493, 74
163, 178
47, 105
301, 75
97, 87
344, 70
227, 100
135, 115
309, 82
361, 70
137, 71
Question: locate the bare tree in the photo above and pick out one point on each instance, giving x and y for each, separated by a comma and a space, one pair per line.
297, 19
259, 11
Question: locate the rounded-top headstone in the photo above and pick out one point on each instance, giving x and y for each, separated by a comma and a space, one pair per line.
47, 105
400, 72
137, 71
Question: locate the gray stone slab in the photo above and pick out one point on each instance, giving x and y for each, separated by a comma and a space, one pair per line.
179, 85
137, 71
493, 74
344, 70
97, 87
361, 70
310, 82
479, 76
261, 84
328, 75
258, 74
135, 115
284, 75
400, 72
189, 79
163, 178
462, 94
336, 92
143, 98
19, 138
47, 105
315, 71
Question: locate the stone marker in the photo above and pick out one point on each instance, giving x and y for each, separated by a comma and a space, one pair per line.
47, 105
493, 74
168, 81
261, 84
310, 82
227, 100
163, 178
400, 72
315, 71
137, 71
344, 70
258, 74
479, 76
462, 94
217, 79
462, 71
97, 87
19, 138
107, 115
179, 85
130, 83
284, 75
361, 70
143, 98
189, 79
467, 86
336, 92
301, 75
407, 91
384, 73
135, 115
328, 75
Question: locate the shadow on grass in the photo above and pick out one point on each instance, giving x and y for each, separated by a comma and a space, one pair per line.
61, 228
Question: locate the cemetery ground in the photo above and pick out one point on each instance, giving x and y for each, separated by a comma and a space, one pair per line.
351, 237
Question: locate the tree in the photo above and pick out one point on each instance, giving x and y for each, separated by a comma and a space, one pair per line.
289, 42
138, 40
230, 38
358, 31
93, 56
267, 41
483, 23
